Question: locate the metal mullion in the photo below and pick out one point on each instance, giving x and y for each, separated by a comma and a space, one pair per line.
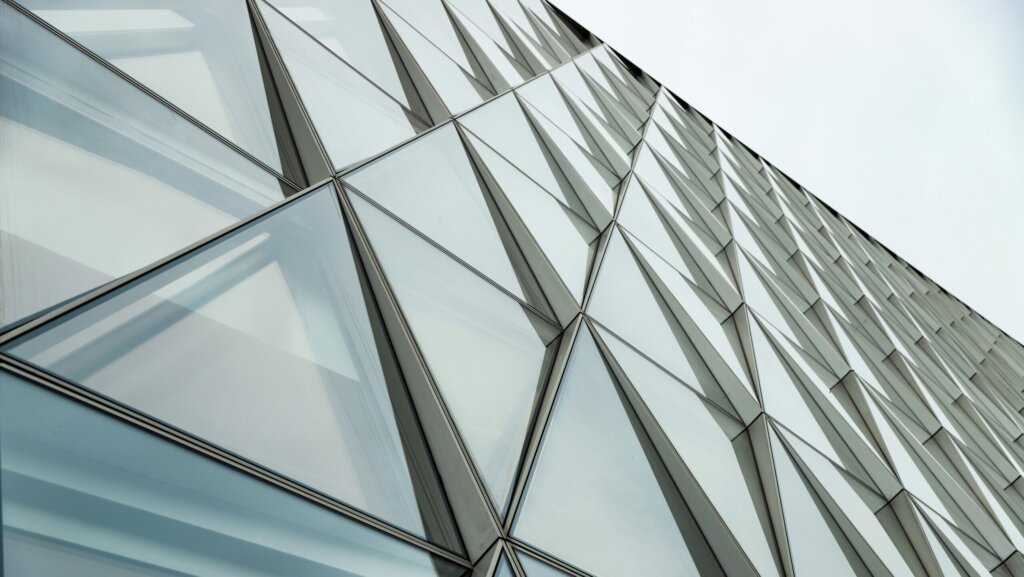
125, 414
518, 545
149, 92
97, 293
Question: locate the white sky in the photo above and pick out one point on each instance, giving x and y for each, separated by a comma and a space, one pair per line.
907, 116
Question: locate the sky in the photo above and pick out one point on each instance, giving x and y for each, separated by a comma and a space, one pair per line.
906, 116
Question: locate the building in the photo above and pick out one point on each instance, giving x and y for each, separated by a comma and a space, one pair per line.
425, 288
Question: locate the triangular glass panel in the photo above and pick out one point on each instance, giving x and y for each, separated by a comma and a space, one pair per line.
99, 179
504, 126
626, 302
817, 545
547, 98
717, 452
567, 238
206, 64
431, 18
431, 184
353, 117
457, 87
89, 495
593, 497
503, 569
481, 14
595, 176
487, 352
510, 71
262, 343
854, 501
352, 30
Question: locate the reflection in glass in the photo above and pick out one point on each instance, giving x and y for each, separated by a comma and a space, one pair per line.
98, 179
593, 498
86, 495
201, 56
488, 353
262, 344
354, 118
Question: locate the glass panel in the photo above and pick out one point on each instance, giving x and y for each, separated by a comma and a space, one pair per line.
431, 184
625, 301
816, 544
354, 118
87, 495
457, 88
716, 450
566, 237
856, 502
596, 177
593, 498
262, 344
98, 178
502, 124
431, 19
544, 95
352, 30
504, 569
487, 353
199, 55
785, 397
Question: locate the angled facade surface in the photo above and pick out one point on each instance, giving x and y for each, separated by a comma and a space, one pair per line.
449, 288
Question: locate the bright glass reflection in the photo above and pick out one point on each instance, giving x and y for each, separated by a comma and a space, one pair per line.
199, 55
86, 495
98, 179
262, 344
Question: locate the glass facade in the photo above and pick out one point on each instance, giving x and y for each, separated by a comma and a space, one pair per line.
449, 288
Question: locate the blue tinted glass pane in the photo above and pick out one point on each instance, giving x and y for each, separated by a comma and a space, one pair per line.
86, 495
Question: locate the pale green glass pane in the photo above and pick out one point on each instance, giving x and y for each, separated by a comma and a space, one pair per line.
352, 30
512, 71
261, 343
431, 19
566, 238
717, 452
502, 124
597, 178
353, 118
479, 11
785, 397
641, 219
504, 569
84, 494
857, 503
431, 184
487, 353
816, 544
457, 88
593, 498
543, 94
624, 301
571, 78
199, 55
98, 179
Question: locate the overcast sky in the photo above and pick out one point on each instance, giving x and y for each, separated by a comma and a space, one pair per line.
907, 116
